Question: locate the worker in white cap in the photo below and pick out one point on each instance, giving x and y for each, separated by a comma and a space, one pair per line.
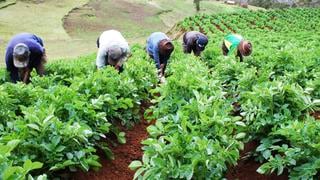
24, 52
113, 50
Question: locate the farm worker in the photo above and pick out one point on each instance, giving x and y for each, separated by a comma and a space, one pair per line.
234, 43
113, 50
194, 41
159, 48
24, 52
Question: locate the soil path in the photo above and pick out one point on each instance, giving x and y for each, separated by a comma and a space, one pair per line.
124, 154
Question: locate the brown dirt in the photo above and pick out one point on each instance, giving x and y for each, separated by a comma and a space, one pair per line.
175, 32
232, 30
98, 16
268, 27
218, 27
316, 115
124, 154
236, 109
200, 28
247, 166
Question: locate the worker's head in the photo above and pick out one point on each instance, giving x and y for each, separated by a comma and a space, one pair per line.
165, 47
115, 55
245, 48
201, 42
21, 55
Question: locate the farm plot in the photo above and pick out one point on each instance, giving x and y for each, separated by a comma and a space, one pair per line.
211, 106
206, 112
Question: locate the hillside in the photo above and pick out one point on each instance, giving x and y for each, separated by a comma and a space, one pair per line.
213, 118
284, 3
44, 19
75, 25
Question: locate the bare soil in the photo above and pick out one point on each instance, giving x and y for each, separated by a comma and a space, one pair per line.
247, 167
124, 154
316, 115
218, 27
232, 30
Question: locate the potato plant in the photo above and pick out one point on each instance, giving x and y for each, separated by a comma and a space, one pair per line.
217, 103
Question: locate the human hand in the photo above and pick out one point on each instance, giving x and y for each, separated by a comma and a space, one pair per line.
162, 79
117, 67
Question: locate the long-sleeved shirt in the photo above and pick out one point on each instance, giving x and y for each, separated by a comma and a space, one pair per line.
190, 42
35, 45
106, 40
153, 48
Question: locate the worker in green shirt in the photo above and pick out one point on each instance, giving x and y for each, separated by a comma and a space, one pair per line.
235, 44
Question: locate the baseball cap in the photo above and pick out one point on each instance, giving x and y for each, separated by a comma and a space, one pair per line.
202, 41
21, 55
116, 55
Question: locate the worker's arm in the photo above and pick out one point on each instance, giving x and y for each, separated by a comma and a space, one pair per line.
161, 70
13, 71
40, 67
14, 75
26, 75
197, 51
156, 56
98, 43
240, 56
101, 56
224, 49
189, 44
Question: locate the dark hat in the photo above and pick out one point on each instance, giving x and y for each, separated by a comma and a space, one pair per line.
202, 41
21, 55
166, 47
245, 48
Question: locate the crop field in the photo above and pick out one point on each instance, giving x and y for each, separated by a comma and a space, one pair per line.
71, 24
201, 120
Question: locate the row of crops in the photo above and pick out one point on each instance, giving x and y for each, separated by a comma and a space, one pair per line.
60, 120
206, 111
211, 106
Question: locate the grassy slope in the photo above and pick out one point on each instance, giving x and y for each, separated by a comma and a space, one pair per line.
136, 19
22, 17
6, 3
43, 19
184, 8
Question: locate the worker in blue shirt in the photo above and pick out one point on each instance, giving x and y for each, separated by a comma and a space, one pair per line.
159, 48
24, 52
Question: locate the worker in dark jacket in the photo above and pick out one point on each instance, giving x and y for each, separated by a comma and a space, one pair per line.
24, 52
194, 41
234, 43
159, 48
